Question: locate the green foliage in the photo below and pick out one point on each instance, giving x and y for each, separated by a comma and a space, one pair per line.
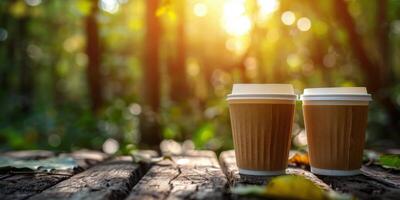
203, 135
45, 99
390, 161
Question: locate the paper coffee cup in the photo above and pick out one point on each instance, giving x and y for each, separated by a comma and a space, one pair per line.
335, 120
261, 118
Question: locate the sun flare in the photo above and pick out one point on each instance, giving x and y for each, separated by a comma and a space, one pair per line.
234, 18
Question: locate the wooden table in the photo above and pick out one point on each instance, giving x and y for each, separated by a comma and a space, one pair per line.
191, 175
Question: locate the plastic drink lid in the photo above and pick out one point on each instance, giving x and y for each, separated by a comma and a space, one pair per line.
337, 93
262, 91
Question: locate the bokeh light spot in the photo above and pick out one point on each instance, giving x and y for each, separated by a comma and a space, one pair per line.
3, 34
288, 18
238, 27
110, 6
193, 68
234, 20
135, 109
294, 61
266, 7
110, 146
200, 10
33, 2
304, 24
74, 43
34, 52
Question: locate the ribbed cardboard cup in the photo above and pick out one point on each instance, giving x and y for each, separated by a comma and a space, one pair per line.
261, 118
335, 120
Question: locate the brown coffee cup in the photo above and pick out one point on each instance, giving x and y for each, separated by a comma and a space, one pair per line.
261, 118
335, 121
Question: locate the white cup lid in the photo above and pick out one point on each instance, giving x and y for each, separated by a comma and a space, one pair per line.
262, 91
336, 93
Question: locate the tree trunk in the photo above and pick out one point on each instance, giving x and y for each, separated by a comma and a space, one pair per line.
387, 69
93, 51
371, 69
25, 68
150, 128
177, 68
378, 74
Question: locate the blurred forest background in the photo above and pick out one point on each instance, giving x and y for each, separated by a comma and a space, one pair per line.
122, 74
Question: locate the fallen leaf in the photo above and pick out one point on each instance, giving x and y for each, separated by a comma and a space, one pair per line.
143, 158
290, 187
389, 161
298, 158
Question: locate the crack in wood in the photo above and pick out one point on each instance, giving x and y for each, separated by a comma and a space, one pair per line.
173, 178
195, 175
23, 186
110, 180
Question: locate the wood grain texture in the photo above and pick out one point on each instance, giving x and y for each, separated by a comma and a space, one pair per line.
375, 185
380, 174
194, 175
110, 180
362, 187
228, 163
24, 185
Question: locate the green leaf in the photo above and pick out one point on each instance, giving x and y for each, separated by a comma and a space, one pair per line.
18, 9
170, 132
84, 6
390, 161
204, 134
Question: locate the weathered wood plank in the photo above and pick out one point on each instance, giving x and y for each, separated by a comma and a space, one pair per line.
112, 179
25, 155
194, 175
382, 175
24, 185
361, 186
228, 163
